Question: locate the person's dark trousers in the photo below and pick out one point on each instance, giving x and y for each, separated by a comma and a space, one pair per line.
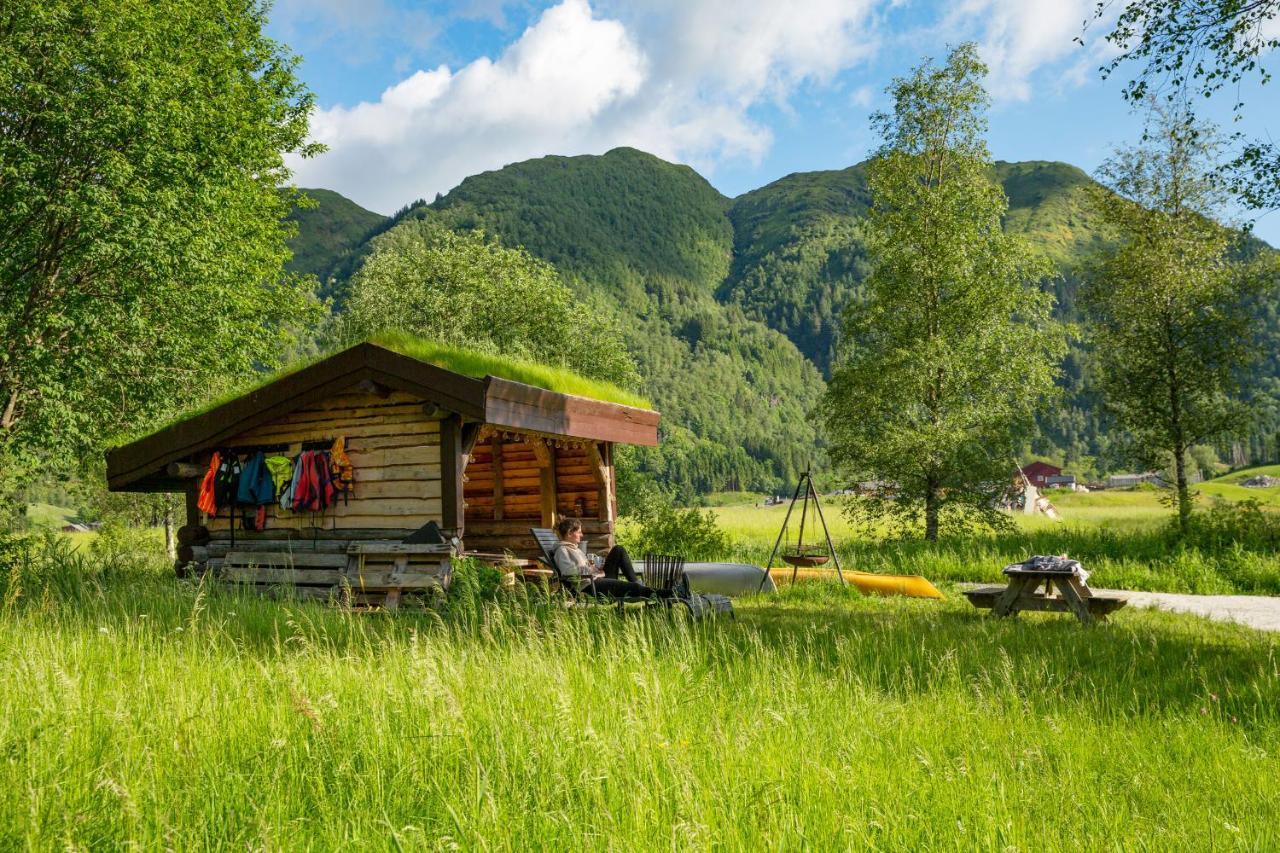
619, 560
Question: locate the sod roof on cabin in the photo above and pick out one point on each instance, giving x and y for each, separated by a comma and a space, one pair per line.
466, 362
478, 386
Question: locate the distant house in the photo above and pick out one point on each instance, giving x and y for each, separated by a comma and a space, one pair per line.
1039, 473
1061, 481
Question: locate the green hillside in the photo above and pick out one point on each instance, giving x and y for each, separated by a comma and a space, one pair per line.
652, 241
798, 253
328, 233
623, 220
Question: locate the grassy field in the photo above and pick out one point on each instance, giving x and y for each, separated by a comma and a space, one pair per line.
138, 710
1121, 536
1229, 488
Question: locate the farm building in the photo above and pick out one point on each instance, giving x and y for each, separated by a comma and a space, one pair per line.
432, 435
1039, 473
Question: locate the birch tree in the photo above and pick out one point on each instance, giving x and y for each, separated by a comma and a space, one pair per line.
1168, 303
950, 348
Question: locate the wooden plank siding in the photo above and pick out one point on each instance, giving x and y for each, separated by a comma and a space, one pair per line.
395, 450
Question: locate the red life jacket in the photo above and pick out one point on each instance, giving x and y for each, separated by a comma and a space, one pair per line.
315, 489
304, 491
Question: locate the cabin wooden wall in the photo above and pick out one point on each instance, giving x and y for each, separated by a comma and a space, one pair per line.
394, 447
515, 482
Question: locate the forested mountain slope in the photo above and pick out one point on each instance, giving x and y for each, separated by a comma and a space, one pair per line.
328, 233
651, 241
732, 306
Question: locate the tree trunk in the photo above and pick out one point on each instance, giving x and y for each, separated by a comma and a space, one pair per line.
931, 510
170, 543
1184, 494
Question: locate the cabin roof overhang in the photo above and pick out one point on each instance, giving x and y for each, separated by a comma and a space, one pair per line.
142, 465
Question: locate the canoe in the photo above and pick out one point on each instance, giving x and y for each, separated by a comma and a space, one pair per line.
729, 579
913, 586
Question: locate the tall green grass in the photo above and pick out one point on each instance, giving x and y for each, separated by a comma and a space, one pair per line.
136, 710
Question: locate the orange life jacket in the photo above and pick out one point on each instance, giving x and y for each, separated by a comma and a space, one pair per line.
206, 502
341, 470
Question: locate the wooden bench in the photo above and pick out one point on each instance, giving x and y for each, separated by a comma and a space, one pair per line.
373, 574
1022, 593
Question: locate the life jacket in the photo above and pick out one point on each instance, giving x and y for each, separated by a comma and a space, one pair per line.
307, 491
286, 496
255, 487
341, 470
281, 469
207, 503
227, 481
326, 494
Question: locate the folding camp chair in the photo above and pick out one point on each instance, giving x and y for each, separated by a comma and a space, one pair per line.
665, 573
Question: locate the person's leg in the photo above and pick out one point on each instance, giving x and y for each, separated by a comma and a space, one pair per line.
619, 588
619, 559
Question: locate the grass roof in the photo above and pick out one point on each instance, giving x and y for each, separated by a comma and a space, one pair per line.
461, 360
481, 364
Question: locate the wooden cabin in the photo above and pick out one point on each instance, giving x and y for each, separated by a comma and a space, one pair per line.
484, 458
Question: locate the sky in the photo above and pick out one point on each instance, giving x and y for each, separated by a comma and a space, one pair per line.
412, 97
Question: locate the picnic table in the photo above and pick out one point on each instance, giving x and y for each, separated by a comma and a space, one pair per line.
1025, 580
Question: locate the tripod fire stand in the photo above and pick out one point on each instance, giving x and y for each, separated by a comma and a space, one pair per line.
800, 554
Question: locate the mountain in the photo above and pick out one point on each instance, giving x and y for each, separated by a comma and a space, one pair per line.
328, 233
732, 306
651, 242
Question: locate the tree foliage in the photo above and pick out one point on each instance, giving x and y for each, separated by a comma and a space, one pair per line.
459, 287
951, 347
1168, 305
1186, 47
141, 228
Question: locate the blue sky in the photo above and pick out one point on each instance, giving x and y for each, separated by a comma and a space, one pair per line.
414, 96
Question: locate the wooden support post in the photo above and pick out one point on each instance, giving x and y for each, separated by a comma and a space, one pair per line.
193, 509
545, 455
604, 482
452, 465
499, 512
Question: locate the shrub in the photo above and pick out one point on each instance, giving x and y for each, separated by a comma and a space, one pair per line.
657, 527
474, 583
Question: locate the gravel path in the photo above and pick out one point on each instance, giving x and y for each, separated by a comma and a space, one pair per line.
1256, 611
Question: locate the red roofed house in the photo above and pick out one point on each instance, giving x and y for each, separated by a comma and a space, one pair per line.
1038, 473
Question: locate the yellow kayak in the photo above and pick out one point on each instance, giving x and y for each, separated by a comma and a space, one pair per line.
914, 586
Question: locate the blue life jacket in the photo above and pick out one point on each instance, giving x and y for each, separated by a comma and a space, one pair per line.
256, 486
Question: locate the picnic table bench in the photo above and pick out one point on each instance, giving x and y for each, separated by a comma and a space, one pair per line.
1022, 592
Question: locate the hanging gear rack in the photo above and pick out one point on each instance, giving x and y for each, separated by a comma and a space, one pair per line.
802, 554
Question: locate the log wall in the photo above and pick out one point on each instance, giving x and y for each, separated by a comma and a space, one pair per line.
510, 487
395, 452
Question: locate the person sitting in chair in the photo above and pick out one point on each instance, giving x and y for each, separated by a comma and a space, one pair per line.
587, 570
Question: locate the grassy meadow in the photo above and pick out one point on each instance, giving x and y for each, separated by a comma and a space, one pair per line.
137, 710
1123, 537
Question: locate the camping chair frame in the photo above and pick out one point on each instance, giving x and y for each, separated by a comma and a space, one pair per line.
665, 572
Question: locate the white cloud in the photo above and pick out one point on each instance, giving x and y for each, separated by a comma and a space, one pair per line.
862, 97
674, 78
1017, 38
